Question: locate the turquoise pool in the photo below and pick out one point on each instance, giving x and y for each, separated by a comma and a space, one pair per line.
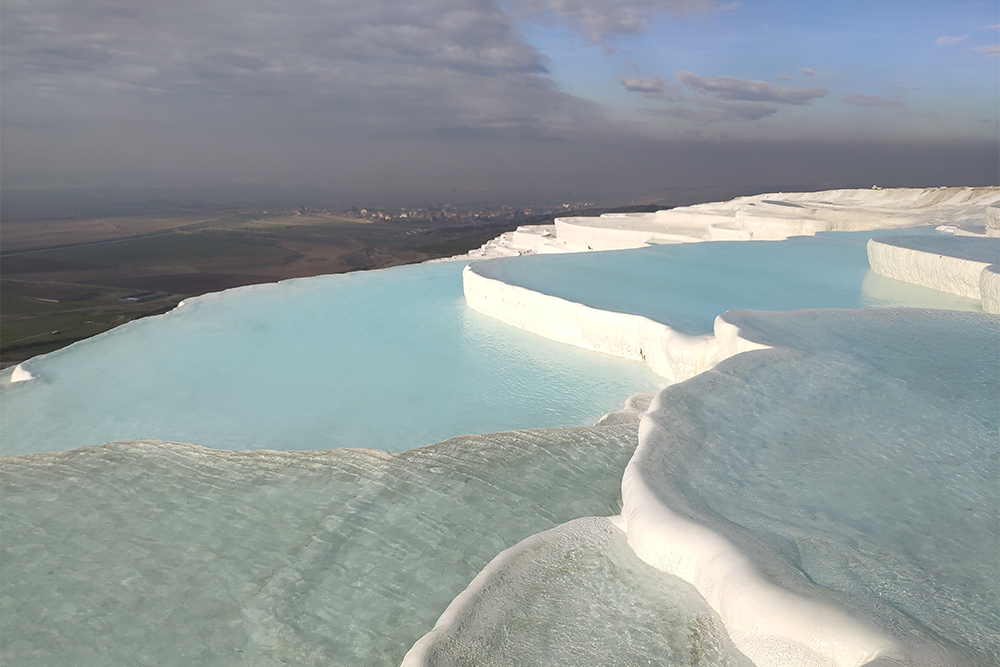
686, 285
389, 359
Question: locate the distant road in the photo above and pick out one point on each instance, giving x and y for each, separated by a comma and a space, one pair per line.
187, 224
32, 251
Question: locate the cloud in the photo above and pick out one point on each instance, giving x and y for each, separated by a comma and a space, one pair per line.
597, 20
730, 88
717, 111
729, 6
859, 100
786, 77
993, 50
807, 71
321, 64
345, 93
950, 40
652, 87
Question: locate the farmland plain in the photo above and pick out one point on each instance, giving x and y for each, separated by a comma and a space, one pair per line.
65, 280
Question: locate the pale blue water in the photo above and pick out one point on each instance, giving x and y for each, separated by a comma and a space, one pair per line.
686, 285
394, 359
578, 595
389, 359
145, 553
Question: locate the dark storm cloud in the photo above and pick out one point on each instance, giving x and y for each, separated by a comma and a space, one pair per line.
373, 96
379, 63
730, 88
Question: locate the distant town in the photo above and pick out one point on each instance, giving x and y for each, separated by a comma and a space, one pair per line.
456, 213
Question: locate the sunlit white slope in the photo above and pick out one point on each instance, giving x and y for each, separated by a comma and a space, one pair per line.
834, 499
770, 216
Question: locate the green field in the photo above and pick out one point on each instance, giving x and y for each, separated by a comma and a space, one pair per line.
175, 246
30, 326
52, 297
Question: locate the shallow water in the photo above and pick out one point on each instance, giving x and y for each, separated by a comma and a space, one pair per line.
389, 359
686, 285
144, 553
858, 466
578, 595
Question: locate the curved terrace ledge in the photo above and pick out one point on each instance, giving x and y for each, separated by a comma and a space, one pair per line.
771, 216
960, 265
780, 605
770, 617
669, 353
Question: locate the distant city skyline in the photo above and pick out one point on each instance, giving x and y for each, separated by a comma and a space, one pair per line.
576, 96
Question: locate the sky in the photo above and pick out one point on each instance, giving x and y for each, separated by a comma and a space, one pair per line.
611, 98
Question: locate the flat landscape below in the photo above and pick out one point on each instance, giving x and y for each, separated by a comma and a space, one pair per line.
65, 280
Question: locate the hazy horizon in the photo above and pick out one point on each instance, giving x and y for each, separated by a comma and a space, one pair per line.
521, 100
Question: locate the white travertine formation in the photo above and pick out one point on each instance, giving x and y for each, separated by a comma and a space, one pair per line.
618, 231
805, 597
767, 622
989, 287
528, 238
20, 374
992, 218
777, 216
768, 216
669, 353
772, 626
772, 216
950, 264
525, 240
915, 377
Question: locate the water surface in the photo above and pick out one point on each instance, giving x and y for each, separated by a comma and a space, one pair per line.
389, 359
686, 285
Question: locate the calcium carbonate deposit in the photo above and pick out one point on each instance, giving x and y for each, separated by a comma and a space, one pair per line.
817, 486
835, 497
389, 359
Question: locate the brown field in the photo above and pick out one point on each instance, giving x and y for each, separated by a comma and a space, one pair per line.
61, 280
36, 234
